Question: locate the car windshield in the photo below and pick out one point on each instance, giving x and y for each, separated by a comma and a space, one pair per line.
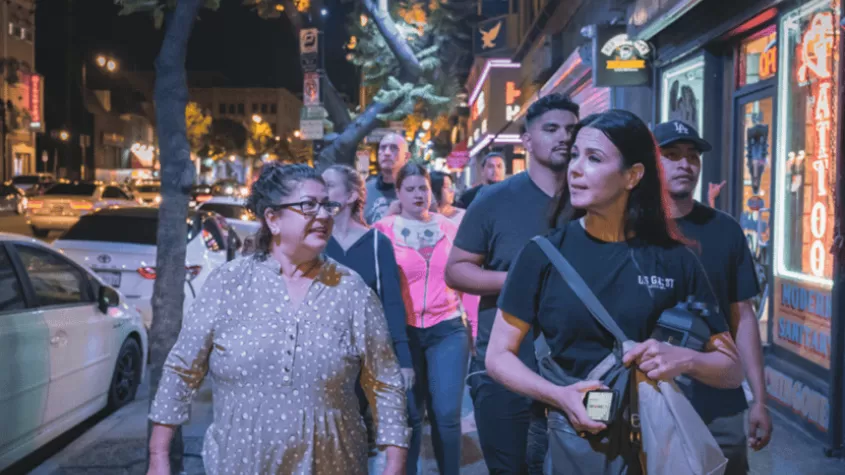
79, 189
25, 180
149, 188
122, 229
226, 188
229, 211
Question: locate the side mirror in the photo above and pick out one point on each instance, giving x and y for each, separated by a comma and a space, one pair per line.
108, 298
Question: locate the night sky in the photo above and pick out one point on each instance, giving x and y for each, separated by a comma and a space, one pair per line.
234, 41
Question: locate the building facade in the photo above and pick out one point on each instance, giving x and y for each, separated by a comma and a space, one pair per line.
277, 106
22, 99
761, 80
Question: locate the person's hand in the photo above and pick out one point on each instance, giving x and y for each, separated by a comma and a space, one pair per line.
571, 400
713, 191
659, 360
159, 463
396, 460
408, 378
759, 426
394, 208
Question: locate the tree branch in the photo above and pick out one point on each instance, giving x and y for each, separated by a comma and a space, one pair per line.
408, 62
342, 149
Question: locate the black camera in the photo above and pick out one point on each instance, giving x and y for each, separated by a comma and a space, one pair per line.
684, 325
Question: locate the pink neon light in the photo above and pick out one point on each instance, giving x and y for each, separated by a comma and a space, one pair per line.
480, 145
492, 63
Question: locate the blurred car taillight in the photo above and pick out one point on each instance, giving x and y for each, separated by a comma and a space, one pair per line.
150, 272
202, 198
36, 204
81, 205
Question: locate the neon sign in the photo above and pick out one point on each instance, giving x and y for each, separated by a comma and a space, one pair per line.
816, 52
511, 93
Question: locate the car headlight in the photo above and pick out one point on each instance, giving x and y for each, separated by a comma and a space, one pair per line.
228, 190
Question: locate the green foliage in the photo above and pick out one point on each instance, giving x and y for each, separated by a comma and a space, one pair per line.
439, 36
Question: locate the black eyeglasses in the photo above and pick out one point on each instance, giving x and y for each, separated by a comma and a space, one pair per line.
311, 207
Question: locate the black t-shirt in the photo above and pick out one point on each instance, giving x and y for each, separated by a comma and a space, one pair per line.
635, 283
502, 218
728, 262
467, 197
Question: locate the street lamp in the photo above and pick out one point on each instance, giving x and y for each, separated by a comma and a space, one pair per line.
111, 65
101, 61
106, 62
64, 135
297, 133
426, 124
257, 118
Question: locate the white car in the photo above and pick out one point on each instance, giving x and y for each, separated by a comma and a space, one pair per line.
120, 246
61, 205
149, 193
70, 346
235, 212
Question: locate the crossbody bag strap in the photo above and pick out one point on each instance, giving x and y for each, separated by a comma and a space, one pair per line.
375, 258
577, 284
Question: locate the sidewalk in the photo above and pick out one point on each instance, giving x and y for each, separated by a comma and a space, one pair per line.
116, 446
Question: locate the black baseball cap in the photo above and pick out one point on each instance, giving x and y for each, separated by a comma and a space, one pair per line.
675, 131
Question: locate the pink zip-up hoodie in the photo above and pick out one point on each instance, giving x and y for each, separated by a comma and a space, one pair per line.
428, 300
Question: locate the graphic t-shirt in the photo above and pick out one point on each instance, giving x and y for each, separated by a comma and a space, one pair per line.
635, 283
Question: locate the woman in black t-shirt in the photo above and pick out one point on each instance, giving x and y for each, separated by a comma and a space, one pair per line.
620, 240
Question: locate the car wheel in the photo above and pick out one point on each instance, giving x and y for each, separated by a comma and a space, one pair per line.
40, 233
127, 375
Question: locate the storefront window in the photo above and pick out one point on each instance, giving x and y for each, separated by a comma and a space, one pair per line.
758, 57
807, 142
682, 95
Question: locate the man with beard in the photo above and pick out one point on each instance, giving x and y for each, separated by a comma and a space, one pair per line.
493, 171
381, 192
501, 220
727, 260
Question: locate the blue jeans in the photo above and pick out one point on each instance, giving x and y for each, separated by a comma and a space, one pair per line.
440, 354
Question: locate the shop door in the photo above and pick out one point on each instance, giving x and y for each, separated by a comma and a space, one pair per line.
753, 159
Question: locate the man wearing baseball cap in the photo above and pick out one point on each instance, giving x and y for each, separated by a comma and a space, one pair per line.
730, 268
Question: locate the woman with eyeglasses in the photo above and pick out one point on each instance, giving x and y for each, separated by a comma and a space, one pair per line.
437, 336
369, 253
285, 334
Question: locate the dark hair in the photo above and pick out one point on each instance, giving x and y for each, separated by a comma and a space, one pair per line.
411, 169
646, 213
438, 179
492, 155
555, 101
275, 183
353, 182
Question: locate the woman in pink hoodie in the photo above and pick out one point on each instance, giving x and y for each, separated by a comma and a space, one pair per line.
437, 335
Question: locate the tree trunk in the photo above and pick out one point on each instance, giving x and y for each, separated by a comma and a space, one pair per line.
177, 176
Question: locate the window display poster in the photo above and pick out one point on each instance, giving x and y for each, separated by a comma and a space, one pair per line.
682, 95
806, 169
802, 320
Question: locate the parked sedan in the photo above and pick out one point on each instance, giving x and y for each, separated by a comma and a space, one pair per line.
12, 198
200, 194
69, 343
25, 182
120, 246
236, 214
61, 206
149, 193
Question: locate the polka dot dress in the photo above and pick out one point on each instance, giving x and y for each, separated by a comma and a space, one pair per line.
284, 377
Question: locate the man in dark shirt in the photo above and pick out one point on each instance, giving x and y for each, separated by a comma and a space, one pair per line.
381, 191
730, 267
502, 219
493, 171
